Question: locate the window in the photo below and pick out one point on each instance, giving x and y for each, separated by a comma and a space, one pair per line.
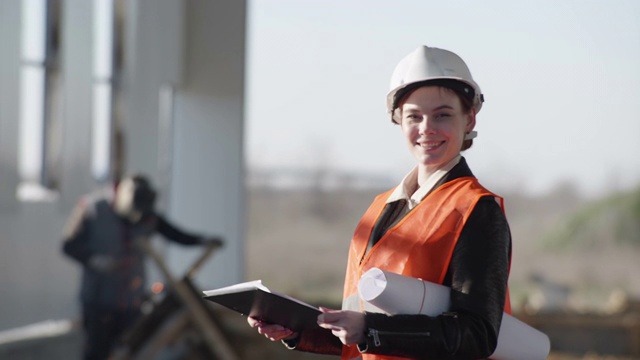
39, 140
102, 119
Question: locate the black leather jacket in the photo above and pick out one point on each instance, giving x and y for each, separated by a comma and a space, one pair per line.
477, 275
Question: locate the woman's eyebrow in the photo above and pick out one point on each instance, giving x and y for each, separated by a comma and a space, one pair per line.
442, 107
412, 107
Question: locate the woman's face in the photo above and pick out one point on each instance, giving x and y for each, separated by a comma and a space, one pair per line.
433, 123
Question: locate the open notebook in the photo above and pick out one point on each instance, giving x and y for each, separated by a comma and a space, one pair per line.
254, 299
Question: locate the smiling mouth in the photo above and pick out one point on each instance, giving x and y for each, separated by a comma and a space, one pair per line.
430, 145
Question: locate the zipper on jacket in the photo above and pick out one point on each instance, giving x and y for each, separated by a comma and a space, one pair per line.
375, 334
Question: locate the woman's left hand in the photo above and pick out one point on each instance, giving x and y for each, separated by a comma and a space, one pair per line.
347, 325
272, 332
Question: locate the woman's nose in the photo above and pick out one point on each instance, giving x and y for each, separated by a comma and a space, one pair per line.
425, 125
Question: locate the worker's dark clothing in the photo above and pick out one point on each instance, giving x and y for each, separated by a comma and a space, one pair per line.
111, 296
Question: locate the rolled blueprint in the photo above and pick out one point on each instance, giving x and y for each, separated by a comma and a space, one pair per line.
397, 294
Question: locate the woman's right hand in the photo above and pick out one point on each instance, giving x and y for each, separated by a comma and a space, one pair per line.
271, 331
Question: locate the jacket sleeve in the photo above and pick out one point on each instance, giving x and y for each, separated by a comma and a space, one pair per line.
76, 233
477, 275
320, 341
173, 233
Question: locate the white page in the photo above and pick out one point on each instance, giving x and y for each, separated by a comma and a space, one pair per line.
251, 285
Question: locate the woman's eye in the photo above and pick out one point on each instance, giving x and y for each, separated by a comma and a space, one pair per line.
442, 116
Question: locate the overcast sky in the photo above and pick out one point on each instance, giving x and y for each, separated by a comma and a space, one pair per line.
561, 81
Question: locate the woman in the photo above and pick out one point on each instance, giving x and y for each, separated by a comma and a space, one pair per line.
439, 224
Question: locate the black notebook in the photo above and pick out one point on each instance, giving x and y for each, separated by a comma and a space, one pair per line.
256, 300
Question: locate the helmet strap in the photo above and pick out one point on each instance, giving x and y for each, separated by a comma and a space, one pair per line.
471, 135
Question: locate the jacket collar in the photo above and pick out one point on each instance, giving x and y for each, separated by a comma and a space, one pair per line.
461, 169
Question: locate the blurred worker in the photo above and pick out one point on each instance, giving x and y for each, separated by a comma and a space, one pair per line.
102, 235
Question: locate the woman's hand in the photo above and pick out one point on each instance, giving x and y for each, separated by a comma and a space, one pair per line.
347, 325
271, 331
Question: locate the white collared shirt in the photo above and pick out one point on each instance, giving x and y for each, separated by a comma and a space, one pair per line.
410, 191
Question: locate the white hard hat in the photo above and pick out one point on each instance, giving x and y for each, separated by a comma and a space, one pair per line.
429, 65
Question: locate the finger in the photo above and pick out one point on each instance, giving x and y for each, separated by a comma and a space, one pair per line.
332, 317
274, 330
327, 326
326, 310
278, 335
332, 326
265, 329
340, 334
253, 322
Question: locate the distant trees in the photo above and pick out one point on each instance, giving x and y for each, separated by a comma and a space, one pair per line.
611, 221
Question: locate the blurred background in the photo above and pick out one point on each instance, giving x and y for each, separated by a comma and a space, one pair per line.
264, 121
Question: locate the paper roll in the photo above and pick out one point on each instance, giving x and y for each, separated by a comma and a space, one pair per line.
398, 294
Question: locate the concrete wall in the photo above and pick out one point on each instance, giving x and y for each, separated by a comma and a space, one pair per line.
9, 100
208, 171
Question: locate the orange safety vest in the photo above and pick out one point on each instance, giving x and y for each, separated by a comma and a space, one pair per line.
420, 245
